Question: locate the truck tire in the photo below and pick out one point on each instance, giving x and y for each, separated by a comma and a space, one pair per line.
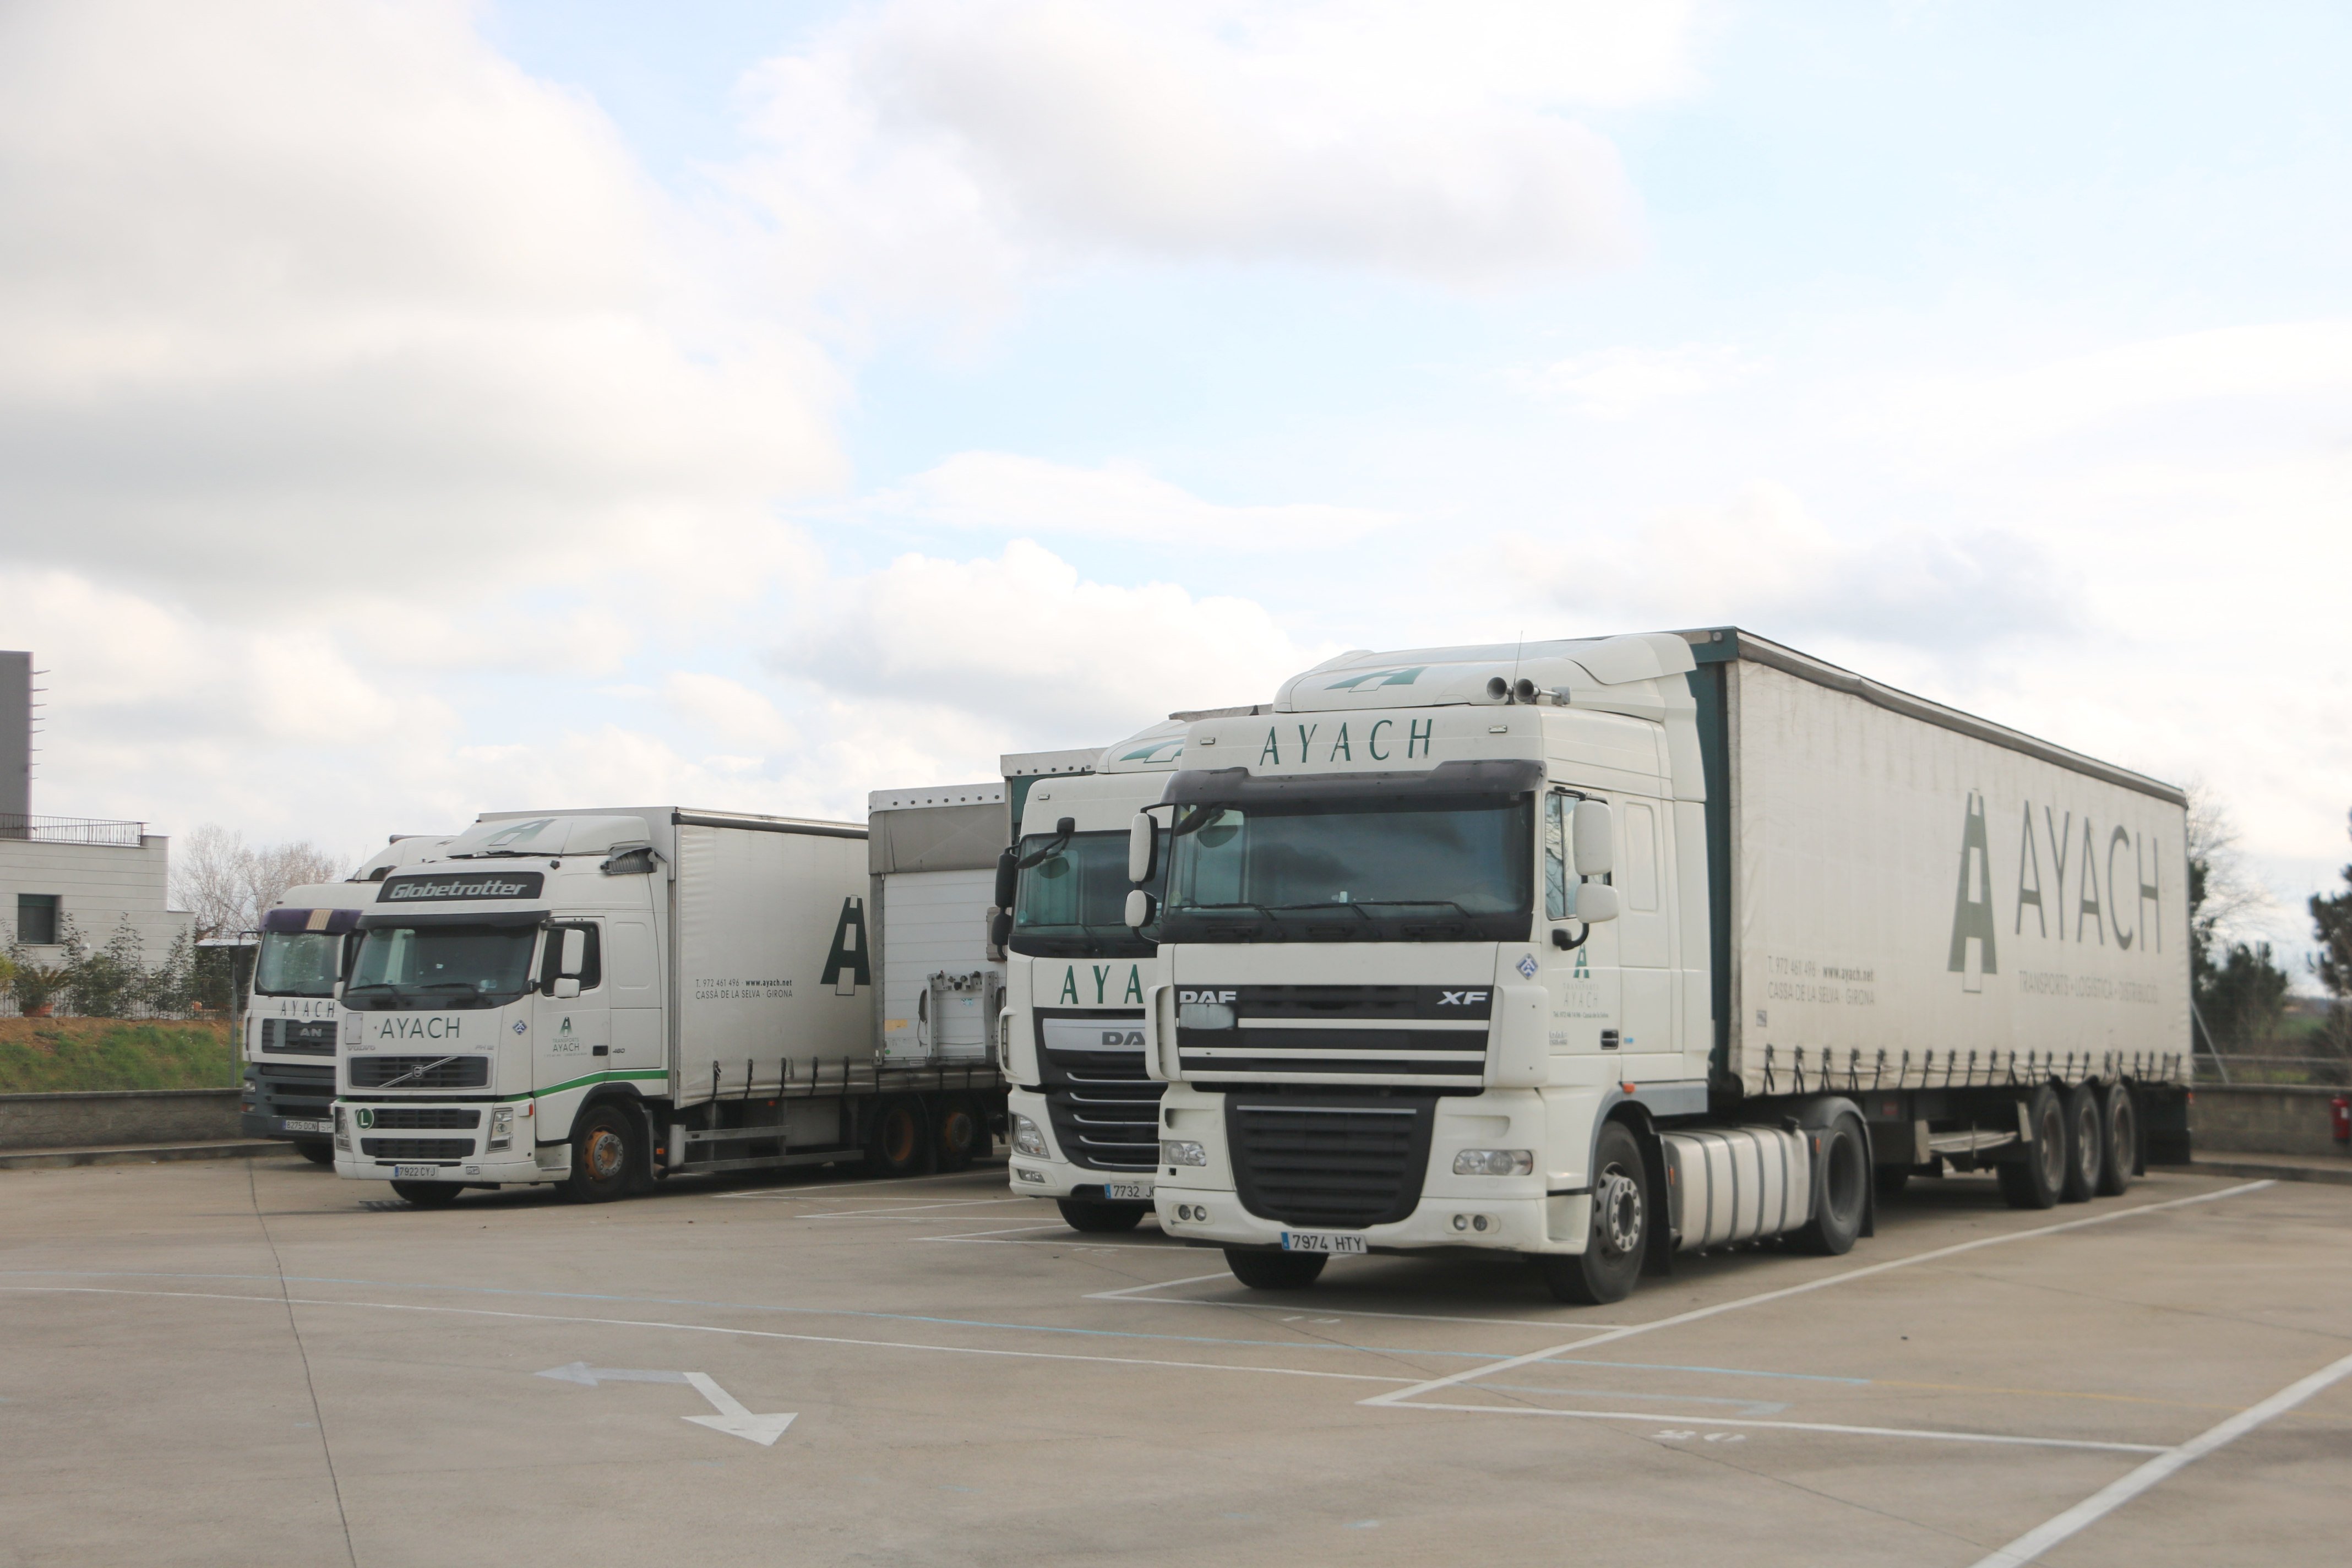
2120, 1118
2086, 1144
1274, 1271
2034, 1180
1841, 1187
960, 1133
604, 1155
427, 1195
1088, 1214
318, 1150
1606, 1269
896, 1146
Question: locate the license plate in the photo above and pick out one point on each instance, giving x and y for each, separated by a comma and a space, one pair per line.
294, 1126
418, 1174
1322, 1241
1128, 1192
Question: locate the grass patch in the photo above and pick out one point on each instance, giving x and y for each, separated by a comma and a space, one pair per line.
51, 1056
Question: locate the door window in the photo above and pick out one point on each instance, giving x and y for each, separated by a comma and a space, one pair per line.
1556, 867
591, 968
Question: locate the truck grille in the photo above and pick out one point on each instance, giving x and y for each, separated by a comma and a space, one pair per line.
416, 1148
439, 1072
298, 1037
284, 1089
1322, 1161
423, 1118
1406, 1035
1105, 1109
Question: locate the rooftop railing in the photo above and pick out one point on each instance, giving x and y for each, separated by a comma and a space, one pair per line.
70, 830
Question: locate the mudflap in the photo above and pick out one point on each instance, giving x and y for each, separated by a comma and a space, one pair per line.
1658, 1248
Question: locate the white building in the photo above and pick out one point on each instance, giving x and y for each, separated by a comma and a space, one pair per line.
99, 875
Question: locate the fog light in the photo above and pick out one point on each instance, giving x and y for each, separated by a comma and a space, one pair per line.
501, 1127
1182, 1151
1026, 1137
1494, 1162
1477, 1221
1461, 1222
1023, 1173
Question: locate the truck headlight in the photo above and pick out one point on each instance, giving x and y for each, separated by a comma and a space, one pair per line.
501, 1127
1494, 1162
342, 1131
1026, 1138
1182, 1151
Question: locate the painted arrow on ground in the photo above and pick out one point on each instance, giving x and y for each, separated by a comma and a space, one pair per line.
732, 1419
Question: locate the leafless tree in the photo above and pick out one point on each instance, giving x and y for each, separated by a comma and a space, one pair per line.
227, 883
2231, 897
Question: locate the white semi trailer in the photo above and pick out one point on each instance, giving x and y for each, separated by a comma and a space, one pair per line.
595, 999
1592, 950
289, 1012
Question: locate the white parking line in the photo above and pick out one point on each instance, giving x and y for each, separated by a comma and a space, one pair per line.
2108, 1498
1398, 1398
1655, 1418
280, 1302
1132, 1293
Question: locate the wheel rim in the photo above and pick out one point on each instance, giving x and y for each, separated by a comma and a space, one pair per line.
2120, 1132
2051, 1127
898, 1137
2086, 1139
958, 1132
1617, 1212
605, 1152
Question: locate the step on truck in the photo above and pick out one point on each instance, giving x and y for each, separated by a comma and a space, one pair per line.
1084, 1115
290, 1009
596, 1000
1594, 951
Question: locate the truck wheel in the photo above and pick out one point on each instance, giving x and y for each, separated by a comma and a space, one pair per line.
896, 1146
1274, 1271
960, 1133
318, 1150
1841, 1191
2035, 1180
1611, 1259
2120, 1120
428, 1194
2087, 1143
1085, 1213
603, 1156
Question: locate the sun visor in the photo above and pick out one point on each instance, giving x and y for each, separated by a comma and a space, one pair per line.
1494, 776
332, 922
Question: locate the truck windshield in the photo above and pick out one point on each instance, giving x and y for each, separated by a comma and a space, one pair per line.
402, 967
1072, 902
1441, 868
297, 964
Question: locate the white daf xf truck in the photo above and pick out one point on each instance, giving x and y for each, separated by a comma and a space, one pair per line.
596, 999
1592, 950
290, 1011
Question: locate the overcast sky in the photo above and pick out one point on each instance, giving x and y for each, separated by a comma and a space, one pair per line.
412, 409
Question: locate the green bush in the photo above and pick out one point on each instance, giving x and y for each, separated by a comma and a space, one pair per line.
51, 1056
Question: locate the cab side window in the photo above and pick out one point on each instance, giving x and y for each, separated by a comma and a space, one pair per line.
591, 968
1554, 843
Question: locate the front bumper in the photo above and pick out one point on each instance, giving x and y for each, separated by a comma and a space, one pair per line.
522, 1164
1052, 1175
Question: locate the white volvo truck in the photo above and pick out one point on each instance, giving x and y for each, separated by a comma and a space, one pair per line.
595, 999
1592, 950
289, 1012
1082, 1115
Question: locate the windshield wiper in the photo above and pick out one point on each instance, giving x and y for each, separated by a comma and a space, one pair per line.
1441, 904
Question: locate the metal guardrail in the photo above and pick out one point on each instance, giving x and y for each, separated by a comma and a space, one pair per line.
2236, 1070
70, 830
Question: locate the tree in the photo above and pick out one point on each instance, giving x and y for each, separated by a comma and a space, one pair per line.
2241, 996
227, 884
2331, 915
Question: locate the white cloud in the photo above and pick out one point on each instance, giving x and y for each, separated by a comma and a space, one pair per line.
1005, 493
1612, 384
933, 149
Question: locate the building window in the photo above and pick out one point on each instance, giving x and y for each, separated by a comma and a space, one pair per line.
37, 918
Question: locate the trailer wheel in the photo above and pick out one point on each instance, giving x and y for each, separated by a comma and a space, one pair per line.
1611, 1259
318, 1150
427, 1195
896, 1145
1085, 1213
2087, 1143
1841, 1191
2120, 1121
2035, 1180
603, 1156
959, 1134
1274, 1271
